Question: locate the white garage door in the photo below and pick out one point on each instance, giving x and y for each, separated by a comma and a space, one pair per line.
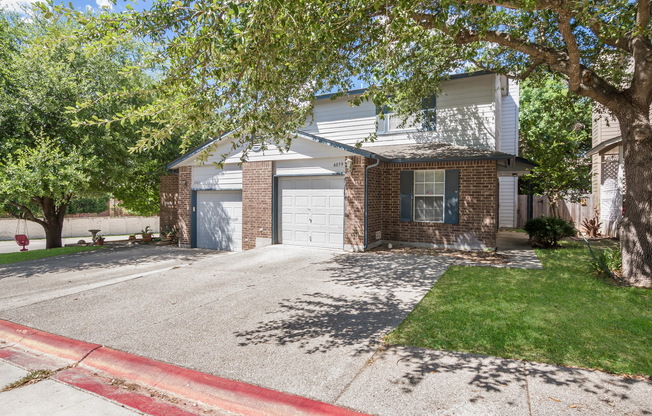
219, 220
311, 211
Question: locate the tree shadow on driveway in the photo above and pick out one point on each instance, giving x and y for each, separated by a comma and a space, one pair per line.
106, 258
374, 294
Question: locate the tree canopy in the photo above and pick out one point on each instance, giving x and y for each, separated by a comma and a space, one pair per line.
555, 133
51, 77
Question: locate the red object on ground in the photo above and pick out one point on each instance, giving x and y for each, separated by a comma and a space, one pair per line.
209, 390
22, 240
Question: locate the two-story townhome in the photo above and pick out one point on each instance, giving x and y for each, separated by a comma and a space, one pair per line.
450, 182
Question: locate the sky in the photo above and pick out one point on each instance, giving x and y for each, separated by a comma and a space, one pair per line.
17, 5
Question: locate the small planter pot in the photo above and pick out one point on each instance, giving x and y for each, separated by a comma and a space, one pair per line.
100, 242
147, 238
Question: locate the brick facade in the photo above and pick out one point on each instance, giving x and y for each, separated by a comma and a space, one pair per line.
478, 207
184, 205
169, 193
354, 193
257, 181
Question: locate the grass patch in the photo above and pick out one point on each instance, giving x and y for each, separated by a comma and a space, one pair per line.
31, 378
8, 258
562, 315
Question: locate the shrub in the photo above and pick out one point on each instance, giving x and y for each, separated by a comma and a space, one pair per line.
546, 232
608, 261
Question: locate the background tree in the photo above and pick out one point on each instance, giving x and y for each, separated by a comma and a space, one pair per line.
256, 65
555, 132
45, 158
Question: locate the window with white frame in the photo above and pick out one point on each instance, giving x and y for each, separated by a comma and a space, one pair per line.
429, 195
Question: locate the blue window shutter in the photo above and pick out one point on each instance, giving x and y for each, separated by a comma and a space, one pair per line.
407, 186
452, 197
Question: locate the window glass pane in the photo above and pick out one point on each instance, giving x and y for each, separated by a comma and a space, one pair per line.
430, 176
439, 189
439, 176
438, 211
419, 188
429, 189
422, 202
419, 175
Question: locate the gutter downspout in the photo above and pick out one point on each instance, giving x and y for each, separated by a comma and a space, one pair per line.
366, 202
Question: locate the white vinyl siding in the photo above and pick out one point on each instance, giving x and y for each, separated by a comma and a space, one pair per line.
508, 141
465, 116
210, 177
507, 201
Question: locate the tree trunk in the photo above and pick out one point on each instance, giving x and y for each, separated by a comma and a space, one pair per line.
53, 226
636, 226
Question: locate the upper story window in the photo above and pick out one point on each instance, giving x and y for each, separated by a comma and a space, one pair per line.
392, 123
429, 195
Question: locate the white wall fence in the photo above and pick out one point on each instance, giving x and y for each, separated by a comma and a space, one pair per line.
570, 211
79, 226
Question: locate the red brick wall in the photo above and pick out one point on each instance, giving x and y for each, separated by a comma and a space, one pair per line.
184, 205
354, 204
257, 180
169, 194
478, 202
376, 195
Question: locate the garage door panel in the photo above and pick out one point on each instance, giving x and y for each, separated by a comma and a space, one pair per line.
219, 220
311, 211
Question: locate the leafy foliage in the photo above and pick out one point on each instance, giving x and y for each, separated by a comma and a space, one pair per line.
608, 260
545, 232
555, 133
88, 205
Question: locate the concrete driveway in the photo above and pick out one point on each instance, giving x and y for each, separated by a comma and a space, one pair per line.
299, 320
303, 321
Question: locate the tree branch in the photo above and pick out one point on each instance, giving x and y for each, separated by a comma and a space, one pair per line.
28, 213
574, 69
642, 15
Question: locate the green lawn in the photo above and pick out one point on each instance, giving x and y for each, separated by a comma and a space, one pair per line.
560, 315
7, 258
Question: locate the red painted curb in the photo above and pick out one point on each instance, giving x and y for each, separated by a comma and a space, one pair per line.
45, 342
226, 394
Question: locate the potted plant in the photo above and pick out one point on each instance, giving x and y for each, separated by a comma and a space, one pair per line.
99, 240
147, 234
132, 237
169, 235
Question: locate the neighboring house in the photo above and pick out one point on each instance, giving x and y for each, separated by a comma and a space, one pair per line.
607, 169
449, 183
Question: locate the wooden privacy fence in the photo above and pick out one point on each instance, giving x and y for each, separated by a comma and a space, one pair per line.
570, 211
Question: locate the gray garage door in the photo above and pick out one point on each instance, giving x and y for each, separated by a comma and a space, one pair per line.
311, 211
219, 220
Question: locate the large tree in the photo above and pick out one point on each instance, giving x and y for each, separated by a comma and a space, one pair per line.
255, 65
555, 133
51, 76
